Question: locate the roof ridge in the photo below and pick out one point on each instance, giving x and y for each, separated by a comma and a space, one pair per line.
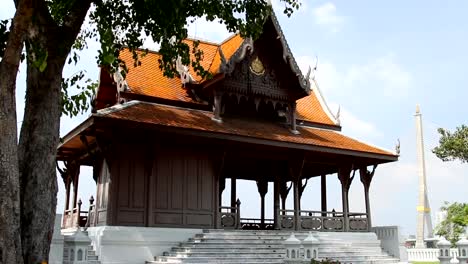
203, 40
324, 104
217, 51
228, 38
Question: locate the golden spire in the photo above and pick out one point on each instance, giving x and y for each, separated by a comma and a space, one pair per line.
417, 109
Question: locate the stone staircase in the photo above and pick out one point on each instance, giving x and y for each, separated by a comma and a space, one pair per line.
91, 256
251, 247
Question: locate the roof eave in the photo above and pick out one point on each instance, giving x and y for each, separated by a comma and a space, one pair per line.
267, 142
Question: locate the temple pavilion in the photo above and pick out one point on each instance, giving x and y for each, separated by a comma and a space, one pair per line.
161, 149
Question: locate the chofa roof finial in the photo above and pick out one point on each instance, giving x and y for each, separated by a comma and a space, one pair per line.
337, 116
397, 147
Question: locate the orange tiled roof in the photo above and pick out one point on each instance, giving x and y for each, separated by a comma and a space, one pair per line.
228, 47
310, 109
148, 79
155, 114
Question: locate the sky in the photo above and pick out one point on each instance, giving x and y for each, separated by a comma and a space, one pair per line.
376, 61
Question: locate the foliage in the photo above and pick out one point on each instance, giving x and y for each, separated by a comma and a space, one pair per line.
455, 223
454, 145
121, 23
79, 103
127, 23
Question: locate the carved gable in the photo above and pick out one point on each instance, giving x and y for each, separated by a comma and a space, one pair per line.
265, 69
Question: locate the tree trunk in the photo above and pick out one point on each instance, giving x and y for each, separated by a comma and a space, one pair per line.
39, 139
39, 135
10, 240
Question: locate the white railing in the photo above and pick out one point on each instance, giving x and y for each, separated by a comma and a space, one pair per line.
391, 241
429, 254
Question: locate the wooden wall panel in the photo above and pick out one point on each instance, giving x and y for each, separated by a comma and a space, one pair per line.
182, 189
102, 200
131, 185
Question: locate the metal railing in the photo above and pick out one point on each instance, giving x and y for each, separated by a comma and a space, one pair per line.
256, 224
322, 221
229, 217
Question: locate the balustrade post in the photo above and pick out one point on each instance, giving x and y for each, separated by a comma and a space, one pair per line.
238, 203
91, 214
78, 213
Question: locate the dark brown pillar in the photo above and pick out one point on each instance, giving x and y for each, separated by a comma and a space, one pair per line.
217, 201
67, 192
222, 186
233, 191
344, 174
301, 191
296, 203
323, 182
75, 174
366, 179
295, 170
284, 191
262, 186
276, 200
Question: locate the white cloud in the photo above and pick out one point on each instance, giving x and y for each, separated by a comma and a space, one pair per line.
330, 79
385, 71
326, 15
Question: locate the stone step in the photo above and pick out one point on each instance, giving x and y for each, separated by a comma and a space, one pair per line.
233, 259
239, 250
250, 255
219, 262
241, 246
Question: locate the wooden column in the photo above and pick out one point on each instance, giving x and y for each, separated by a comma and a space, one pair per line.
276, 200
219, 187
323, 182
296, 203
75, 173
295, 169
262, 186
284, 191
344, 174
233, 191
366, 179
222, 186
67, 192
301, 191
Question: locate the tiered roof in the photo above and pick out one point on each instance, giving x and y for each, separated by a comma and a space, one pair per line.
155, 100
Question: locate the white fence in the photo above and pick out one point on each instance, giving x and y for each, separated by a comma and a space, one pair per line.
391, 241
429, 254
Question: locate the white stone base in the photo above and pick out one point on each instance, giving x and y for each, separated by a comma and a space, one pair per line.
135, 245
56, 246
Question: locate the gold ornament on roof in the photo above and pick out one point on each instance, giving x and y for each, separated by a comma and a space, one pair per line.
256, 67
